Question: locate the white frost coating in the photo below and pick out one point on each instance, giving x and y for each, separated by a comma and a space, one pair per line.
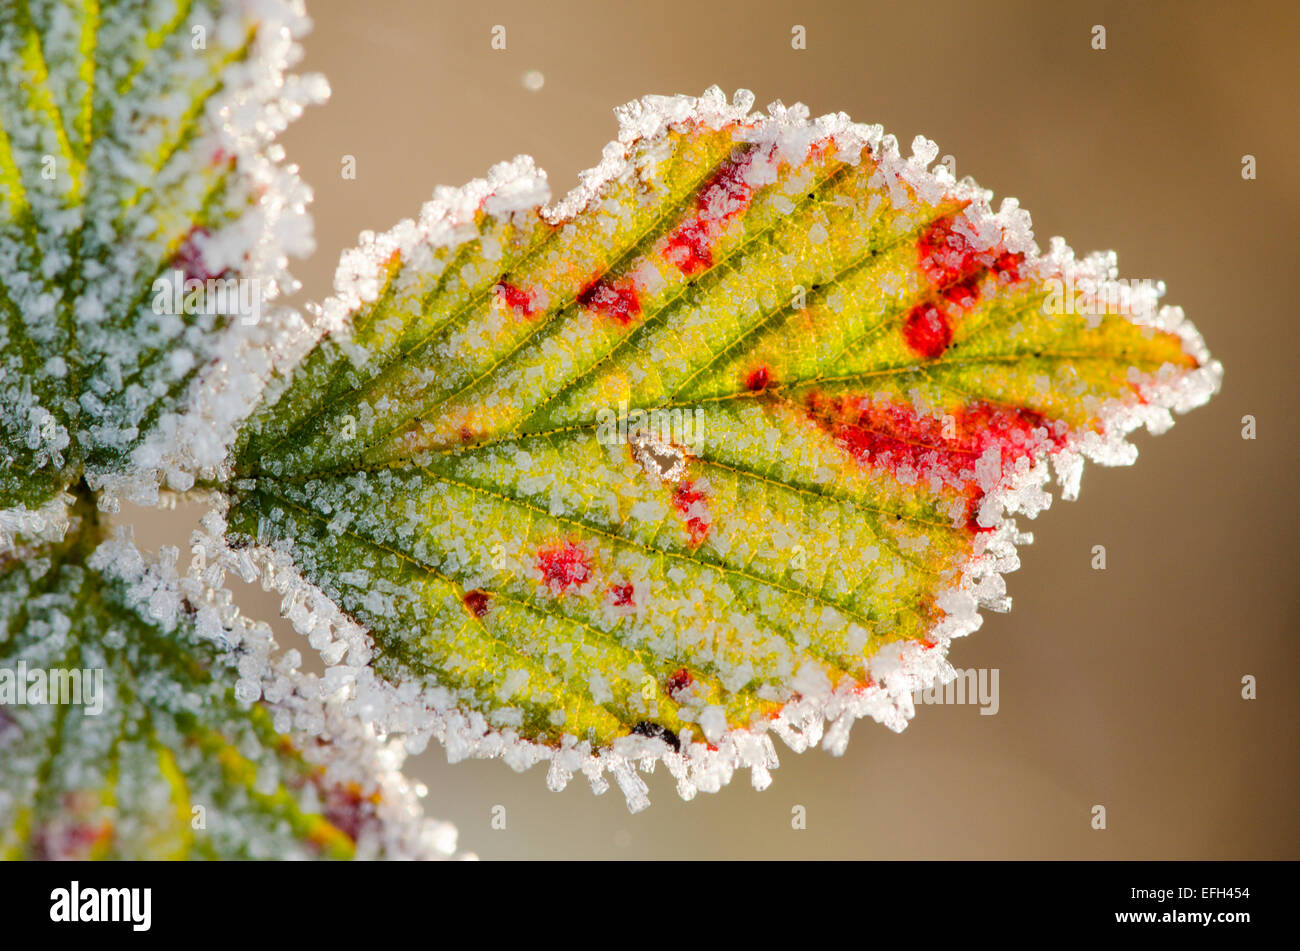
815, 713
47, 523
323, 727
259, 100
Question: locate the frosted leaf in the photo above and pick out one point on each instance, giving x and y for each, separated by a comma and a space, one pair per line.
724, 444
149, 753
47, 522
145, 227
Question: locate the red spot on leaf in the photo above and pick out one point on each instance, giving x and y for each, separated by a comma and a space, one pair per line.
678, 681
515, 298
75, 833
944, 450
563, 566
189, 260
477, 601
759, 378
973, 504
617, 301
964, 294
70, 842
621, 594
346, 809
1008, 265
927, 331
956, 269
690, 502
690, 247
946, 254
726, 194
952, 264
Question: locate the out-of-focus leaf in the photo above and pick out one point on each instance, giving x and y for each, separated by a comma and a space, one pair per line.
134, 158
121, 735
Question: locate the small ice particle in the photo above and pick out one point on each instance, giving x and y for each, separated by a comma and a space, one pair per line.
534, 80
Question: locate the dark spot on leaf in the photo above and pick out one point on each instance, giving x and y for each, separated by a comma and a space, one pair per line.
617, 301
477, 601
657, 731
758, 378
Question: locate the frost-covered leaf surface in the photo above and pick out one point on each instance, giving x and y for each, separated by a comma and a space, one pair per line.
722, 445
155, 755
136, 145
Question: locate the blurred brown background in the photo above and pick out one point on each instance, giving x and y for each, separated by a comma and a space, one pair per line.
1119, 687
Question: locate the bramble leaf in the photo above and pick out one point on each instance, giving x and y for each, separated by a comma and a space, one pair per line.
144, 224
121, 735
722, 445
